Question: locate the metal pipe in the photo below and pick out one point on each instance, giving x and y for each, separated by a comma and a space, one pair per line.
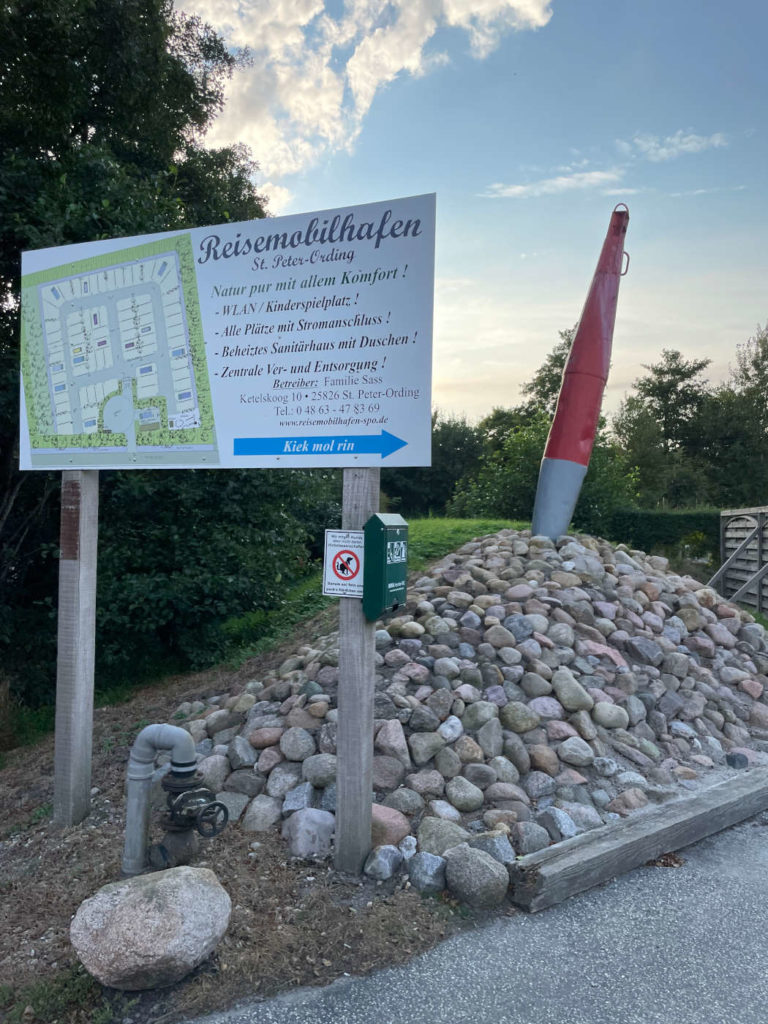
141, 766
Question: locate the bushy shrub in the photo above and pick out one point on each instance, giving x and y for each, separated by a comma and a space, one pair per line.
506, 482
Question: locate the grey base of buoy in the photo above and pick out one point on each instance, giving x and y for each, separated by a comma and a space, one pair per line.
556, 495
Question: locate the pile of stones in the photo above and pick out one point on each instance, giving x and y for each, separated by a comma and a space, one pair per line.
530, 690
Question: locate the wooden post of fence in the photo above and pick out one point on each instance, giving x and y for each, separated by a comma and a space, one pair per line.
354, 741
76, 646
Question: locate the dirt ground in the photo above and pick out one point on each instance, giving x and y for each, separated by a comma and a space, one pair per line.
293, 923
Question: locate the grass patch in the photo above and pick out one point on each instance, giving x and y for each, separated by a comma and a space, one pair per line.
66, 993
257, 632
758, 616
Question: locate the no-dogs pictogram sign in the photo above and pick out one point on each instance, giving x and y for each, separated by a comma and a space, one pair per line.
343, 563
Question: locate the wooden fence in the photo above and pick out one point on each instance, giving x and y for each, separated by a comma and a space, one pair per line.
743, 572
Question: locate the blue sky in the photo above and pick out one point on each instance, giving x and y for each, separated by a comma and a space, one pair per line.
530, 119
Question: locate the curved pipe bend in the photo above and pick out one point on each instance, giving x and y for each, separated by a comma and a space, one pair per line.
141, 766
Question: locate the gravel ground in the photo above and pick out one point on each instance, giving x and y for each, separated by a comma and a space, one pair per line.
681, 945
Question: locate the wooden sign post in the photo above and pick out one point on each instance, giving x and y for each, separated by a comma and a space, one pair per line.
76, 646
354, 741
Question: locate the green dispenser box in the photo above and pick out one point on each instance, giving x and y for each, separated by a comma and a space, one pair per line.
385, 567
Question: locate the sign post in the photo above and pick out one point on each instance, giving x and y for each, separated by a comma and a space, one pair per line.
354, 737
76, 646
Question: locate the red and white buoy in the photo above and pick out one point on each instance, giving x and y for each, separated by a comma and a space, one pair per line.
572, 435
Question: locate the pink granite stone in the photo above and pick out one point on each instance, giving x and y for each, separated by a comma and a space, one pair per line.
752, 687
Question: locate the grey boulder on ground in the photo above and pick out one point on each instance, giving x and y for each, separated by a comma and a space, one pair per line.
475, 877
309, 833
152, 930
426, 873
436, 835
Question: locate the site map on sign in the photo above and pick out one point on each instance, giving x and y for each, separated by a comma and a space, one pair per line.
113, 360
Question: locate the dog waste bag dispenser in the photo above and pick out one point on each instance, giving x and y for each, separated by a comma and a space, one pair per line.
385, 566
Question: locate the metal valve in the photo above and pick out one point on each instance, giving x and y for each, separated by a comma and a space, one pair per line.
191, 805
212, 820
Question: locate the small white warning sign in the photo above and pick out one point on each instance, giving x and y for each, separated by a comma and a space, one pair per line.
343, 563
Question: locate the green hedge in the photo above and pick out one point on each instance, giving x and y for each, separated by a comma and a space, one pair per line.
647, 529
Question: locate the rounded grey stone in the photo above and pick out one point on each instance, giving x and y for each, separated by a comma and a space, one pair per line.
383, 862
448, 762
152, 930
474, 877
319, 769
504, 769
571, 693
297, 744
451, 728
610, 716
424, 746
426, 873
481, 775
538, 784
436, 835
575, 751
528, 837
309, 833
558, 824
407, 801
519, 717
490, 737
496, 845
262, 813
478, 713
463, 794
535, 685
283, 778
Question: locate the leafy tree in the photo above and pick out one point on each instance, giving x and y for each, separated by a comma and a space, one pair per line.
728, 439
672, 393
456, 447
657, 427
728, 449
500, 423
750, 375
543, 389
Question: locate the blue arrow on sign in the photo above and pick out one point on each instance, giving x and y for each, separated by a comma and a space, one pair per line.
383, 444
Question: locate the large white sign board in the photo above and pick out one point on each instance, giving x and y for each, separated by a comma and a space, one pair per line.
295, 341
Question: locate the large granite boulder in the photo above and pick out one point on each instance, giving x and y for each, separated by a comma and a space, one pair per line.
152, 930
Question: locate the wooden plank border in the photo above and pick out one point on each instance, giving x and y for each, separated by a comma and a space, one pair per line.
546, 878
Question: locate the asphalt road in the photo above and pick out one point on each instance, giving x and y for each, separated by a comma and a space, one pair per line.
685, 945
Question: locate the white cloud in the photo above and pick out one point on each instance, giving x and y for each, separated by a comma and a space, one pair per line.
658, 150
278, 197
707, 191
570, 178
555, 186
314, 76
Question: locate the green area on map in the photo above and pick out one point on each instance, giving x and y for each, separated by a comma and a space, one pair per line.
113, 355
